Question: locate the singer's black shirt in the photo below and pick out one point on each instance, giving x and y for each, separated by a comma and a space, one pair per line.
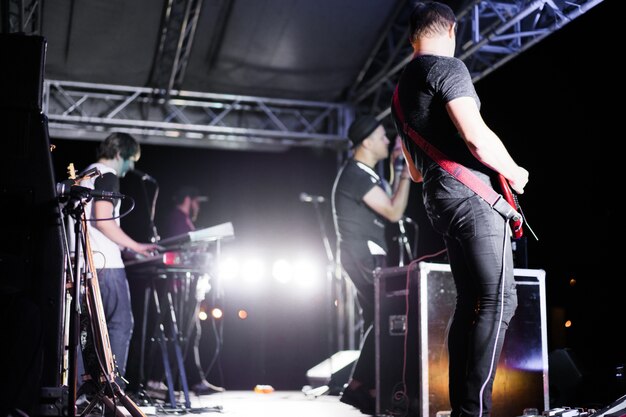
355, 222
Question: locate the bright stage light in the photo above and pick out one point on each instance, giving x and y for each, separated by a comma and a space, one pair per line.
306, 273
217, 313
253, 270
228, 268
282, 271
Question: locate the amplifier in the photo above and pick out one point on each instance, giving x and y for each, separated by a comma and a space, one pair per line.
414, 306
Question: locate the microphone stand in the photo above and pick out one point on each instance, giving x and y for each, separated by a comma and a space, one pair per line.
334, 281
329, 268
403, 241
151, 213
154, 238
152, 209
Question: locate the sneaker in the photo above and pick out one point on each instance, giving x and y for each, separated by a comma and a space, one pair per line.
153, 385
205, 387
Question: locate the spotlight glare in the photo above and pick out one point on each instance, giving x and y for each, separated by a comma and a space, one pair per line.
202, 315
242, 314
282, 271
228, 268
306, 273
253, 270
217, 313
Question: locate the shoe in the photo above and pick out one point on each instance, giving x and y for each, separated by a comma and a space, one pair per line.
205, 387
158, 386
359, 398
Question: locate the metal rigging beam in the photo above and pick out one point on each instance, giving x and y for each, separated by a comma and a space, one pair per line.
178, 29
91, 111
21, 16
490, 33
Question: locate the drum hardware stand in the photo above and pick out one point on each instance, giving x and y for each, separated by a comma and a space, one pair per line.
100, 374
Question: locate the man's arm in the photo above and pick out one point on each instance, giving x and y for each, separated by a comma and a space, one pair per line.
391, 208
103, 210
484, 144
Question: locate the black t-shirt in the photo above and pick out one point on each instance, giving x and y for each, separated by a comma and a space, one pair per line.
110, 182
355, 222
427, 84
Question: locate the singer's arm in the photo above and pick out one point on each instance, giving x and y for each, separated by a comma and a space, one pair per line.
391, 208
103, 209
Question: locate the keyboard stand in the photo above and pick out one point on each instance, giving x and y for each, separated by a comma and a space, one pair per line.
167, 314
175, 340
161, 338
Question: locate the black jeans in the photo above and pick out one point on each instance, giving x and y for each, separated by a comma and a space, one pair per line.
478, 242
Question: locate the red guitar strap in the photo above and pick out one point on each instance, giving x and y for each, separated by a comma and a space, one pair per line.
458, 171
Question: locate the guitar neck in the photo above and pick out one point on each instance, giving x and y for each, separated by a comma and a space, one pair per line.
102, 343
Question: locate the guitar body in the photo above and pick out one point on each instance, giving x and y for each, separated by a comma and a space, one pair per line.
511, 198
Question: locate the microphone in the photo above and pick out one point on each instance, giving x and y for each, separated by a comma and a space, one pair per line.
67, 189
307, 198
144, 176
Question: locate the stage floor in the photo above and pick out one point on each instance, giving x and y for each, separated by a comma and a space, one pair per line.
252, 404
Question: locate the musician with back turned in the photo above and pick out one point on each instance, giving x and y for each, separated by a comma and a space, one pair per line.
116, 155
436, 99
362, 207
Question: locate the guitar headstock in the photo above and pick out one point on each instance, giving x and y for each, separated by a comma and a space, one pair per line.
71, 171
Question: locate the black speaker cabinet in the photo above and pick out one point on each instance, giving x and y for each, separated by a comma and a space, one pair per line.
22, 71
414, 306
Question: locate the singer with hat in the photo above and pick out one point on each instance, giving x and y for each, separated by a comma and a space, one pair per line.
362, 206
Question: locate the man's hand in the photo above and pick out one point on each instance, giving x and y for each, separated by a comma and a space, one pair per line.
146, 249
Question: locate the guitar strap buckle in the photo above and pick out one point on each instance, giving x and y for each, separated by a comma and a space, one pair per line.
506, 210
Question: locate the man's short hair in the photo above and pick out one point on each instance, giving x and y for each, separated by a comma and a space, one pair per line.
429, 18
121, 143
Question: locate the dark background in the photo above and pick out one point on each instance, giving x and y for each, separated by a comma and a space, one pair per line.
552, 106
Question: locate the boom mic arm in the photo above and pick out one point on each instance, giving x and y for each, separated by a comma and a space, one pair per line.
144, 176
68, 189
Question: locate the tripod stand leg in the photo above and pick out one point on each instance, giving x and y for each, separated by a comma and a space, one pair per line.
163, 348
110, 404
128, 404
177, 350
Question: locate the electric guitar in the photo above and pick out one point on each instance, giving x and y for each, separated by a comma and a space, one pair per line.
511, 198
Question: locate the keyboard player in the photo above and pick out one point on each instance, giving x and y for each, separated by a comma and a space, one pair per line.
180, 221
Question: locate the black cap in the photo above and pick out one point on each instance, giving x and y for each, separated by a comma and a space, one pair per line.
361, 128
188, 190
